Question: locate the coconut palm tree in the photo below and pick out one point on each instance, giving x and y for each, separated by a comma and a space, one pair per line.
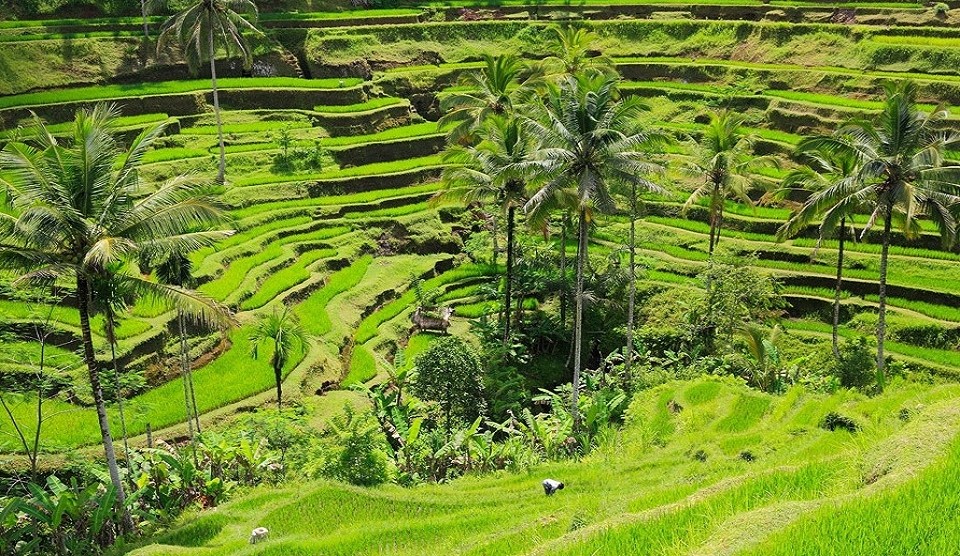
822, 170
492, 172
280, 330
203, 26
80, 211
903, 177
589, 141
572, 51
726, 162
492, 91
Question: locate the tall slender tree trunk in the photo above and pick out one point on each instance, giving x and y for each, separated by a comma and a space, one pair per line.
839, 288
221, 173
143, 11
716, 205
578, 319
111, 324
507, 289
278, 376
83, 305
496, 242
184, 372
631, 298
882, 319
563, 270
193, 400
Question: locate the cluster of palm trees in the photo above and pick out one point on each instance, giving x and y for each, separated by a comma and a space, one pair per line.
893, 171
74, 214
558, 136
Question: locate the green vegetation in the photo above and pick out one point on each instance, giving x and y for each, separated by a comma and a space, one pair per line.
639, 496
116, 92
633, 318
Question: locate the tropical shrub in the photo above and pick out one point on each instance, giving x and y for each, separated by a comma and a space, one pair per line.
855, 367
354, 452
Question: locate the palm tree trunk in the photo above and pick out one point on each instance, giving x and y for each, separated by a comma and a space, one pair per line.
839, 287
713, 232
222, 171
578, 319
116, 373
633, 279
563, 270
716, 240
277, 375
193, 399
83, 306
143, 10
507, 289
184, 371
496, 244
882, 319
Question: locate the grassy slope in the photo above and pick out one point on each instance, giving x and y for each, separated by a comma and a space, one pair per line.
808, 490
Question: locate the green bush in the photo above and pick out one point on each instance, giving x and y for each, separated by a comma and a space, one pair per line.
355, 452
856, 365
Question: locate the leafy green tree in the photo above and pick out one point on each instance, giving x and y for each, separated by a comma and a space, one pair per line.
76, 207
726, 161
492, 172
589, 141
198, 29
282, 332
740, 294
449, 373
823, 169
903, 176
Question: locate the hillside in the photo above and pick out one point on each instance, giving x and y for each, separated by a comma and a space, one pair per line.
757, 424
363, 134
733, 472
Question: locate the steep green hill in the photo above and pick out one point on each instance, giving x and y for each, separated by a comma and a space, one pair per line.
721, 470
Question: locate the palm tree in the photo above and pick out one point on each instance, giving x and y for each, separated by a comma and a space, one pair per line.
176, 269
492, 91
81, 211
903, 176
197, 30
823, 170
571, 51
726, 161
282, 331
492, 172
589, 142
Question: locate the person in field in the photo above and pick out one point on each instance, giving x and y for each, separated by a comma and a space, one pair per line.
550, 486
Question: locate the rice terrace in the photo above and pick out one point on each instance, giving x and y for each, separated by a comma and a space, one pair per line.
318, 277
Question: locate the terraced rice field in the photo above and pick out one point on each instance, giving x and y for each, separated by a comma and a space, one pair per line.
732, 472
342, 234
